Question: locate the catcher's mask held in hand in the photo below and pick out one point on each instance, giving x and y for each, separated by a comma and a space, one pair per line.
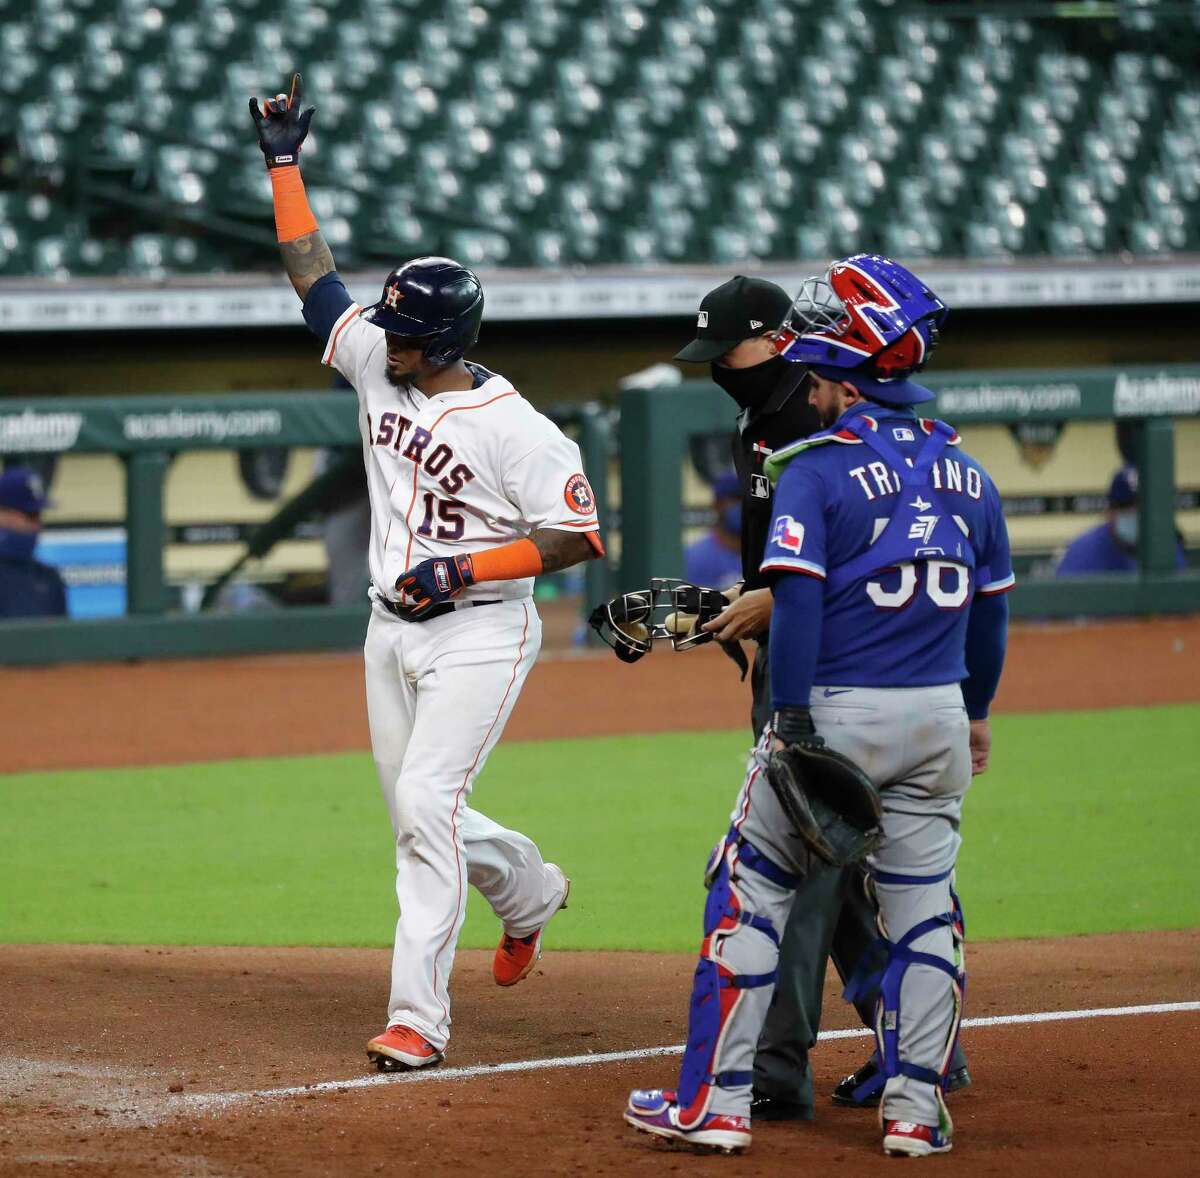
621, 623
669, 609
679, 609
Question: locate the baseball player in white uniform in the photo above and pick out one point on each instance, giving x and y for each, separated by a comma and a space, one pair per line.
473, 493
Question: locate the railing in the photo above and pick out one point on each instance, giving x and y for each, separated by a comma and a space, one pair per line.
656, 424
146, 432
651, 443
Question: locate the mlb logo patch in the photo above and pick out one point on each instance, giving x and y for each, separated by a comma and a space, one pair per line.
759, 487
789, 535
903, 434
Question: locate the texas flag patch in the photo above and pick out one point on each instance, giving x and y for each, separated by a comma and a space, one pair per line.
788, 534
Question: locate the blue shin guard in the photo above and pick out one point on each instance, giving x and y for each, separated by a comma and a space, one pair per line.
717, 987
890, 979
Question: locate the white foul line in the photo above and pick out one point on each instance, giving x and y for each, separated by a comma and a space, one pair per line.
216, 1101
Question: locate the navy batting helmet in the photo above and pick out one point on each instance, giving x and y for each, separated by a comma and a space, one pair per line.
434, 300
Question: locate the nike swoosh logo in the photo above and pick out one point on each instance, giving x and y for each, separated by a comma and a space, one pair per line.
840, 691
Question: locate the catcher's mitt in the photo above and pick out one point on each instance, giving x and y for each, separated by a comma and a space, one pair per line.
832, 804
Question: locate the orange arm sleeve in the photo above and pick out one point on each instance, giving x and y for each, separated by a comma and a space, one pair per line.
510, 562
293, 217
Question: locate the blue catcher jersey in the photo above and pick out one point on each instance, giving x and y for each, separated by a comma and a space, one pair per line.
904, 529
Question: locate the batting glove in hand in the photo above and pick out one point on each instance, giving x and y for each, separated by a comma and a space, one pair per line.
434, 582
283, 127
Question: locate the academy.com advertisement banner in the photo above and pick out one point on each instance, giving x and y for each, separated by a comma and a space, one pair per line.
125, 425
128, 424
1169, 390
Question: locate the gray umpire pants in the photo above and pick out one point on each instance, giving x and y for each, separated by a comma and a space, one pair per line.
832, 916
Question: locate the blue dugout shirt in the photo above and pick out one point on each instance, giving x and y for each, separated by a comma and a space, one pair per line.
30, 589
1097, 551
709, 562
898, 616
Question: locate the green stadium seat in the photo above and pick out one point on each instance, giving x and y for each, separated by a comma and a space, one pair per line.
155, 255
813, 244
68, 252
547, 249
732, 246
1066, 239
390, 229
583, 131
14, 255
478, 247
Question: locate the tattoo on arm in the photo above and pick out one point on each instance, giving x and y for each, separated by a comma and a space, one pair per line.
560, 550
306, 259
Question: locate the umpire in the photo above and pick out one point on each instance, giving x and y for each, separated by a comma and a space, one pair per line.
832, 915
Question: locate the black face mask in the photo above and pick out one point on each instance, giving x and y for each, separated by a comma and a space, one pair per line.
750, 387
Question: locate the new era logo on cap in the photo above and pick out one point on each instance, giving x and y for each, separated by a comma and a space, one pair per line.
755, 324
702, 319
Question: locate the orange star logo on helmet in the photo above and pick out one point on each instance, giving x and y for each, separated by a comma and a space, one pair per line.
394, 295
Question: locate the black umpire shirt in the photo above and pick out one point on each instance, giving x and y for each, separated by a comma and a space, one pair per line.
782, 418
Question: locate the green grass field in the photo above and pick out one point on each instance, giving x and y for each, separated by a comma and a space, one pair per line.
1085, 823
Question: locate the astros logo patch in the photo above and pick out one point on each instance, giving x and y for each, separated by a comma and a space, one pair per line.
394, 295
579, 496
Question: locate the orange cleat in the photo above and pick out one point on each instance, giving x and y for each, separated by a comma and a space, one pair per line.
400, 1049
516, 956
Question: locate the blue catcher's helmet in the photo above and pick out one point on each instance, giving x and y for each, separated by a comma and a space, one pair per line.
869, 321
434, 301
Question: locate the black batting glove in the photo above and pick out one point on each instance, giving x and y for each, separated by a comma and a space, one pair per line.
794, 725
283, 126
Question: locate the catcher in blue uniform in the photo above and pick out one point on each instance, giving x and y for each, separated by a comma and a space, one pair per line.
890, 560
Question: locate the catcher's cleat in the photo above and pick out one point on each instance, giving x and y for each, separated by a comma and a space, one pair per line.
516, 956
653, 1110
862, 1089
401, 1049
906, 1139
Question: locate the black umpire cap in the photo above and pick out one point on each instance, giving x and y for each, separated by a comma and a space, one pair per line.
737, 310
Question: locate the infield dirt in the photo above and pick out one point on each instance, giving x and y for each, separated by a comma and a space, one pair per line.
96, 1037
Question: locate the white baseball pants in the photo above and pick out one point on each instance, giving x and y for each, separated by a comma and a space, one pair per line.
438, 696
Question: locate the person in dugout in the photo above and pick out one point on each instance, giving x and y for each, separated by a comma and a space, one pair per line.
1111, 546
28, 588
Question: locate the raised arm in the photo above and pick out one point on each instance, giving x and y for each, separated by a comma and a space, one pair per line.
282, 127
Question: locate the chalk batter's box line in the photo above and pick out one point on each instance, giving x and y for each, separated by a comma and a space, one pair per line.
216, 1102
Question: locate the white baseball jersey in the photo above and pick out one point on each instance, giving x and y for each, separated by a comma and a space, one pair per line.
455, 472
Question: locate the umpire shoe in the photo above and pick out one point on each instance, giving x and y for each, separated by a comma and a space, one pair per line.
778, 1108
516, 956
862, 1089
401, 1049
